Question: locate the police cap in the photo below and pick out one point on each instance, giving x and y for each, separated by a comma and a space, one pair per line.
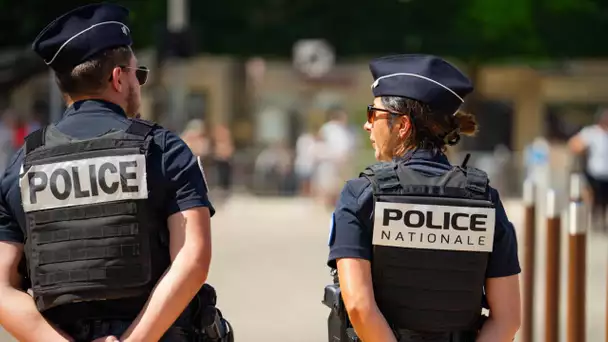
428, 79
81, 33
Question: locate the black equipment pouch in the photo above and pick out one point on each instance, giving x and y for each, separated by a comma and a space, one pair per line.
338, 324
209, 323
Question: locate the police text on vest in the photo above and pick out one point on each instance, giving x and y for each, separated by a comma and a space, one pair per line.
84, 181
434, 227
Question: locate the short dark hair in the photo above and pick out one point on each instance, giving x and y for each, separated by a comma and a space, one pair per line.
432, 128
91, 77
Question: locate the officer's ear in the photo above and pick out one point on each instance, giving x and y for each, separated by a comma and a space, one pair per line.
115, 80
404, 126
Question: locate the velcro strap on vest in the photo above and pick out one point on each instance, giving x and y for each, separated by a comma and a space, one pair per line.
477, 180
89, 253
382, 176
140, 128
387, 178
79, 213
35, 140
83, 233
91, 274
79, 147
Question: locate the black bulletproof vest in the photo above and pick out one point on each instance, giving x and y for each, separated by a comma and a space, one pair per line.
91, 232
420, 282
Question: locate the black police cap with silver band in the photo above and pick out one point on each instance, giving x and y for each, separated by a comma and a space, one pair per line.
428, 79
81, 33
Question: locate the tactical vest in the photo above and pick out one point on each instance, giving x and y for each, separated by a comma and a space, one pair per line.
92, 234
432, 237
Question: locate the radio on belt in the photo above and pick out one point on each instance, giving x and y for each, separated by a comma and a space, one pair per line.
85, 181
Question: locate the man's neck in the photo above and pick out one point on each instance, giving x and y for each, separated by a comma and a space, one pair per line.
70, 100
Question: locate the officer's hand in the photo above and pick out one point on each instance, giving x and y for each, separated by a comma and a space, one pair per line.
107, 339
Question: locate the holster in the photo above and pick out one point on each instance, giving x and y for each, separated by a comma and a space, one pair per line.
338, 324
208, 321
340, 328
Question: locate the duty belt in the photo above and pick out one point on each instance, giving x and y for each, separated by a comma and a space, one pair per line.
405, 335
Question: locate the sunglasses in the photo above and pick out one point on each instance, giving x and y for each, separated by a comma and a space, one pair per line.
141, 73
372, 112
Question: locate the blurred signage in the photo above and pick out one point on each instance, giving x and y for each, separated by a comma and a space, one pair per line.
313, 57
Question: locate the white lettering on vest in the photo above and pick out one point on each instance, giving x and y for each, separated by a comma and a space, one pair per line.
85, 181
439, 227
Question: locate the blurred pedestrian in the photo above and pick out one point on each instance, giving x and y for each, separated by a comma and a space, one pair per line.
223, 151
593, 141
305, 161
195, 136
335, 156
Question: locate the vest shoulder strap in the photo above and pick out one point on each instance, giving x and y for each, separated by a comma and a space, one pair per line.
35, 140
382, 176
141, 128
477, 180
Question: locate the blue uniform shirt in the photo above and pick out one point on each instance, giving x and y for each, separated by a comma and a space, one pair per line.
175, 178
352, 221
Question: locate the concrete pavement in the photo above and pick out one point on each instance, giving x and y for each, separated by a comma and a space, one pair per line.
269, 269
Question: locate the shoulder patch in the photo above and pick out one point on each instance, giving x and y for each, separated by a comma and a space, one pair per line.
332, 230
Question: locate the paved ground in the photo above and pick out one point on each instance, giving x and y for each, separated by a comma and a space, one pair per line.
269, 270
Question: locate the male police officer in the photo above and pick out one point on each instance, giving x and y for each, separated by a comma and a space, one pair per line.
108, 216
415, 240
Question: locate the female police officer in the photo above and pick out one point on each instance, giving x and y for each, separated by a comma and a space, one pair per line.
415, 240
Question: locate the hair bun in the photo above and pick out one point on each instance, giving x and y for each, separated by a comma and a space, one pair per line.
466, 123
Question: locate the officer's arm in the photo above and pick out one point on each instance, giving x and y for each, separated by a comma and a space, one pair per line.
190, 256
350, 252
505, 310
502, 281
358, 295
190, 244
18, 313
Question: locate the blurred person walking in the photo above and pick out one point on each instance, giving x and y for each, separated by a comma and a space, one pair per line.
195, 136
335, 156
223, 151
305, 161
593, 141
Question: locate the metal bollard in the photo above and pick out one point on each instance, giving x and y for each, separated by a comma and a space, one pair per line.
577, 246
552, 271
528, 264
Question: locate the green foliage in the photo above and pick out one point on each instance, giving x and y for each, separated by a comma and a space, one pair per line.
466, 29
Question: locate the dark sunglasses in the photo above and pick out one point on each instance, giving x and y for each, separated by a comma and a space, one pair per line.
372, 112
141, 73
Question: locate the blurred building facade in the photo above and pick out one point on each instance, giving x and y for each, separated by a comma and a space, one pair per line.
219, 89
267, 102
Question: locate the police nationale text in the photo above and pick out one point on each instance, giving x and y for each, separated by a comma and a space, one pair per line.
434, 227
